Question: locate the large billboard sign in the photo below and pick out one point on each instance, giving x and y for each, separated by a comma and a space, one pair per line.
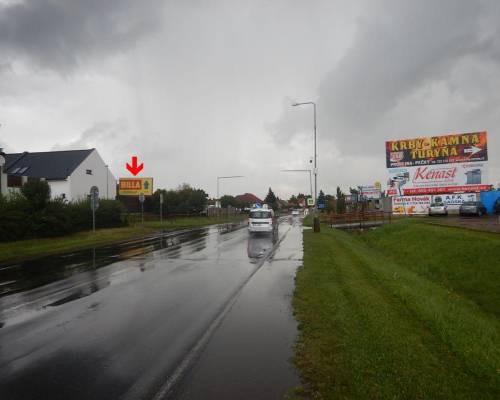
411, 205
135, 186
436, 150
445, 178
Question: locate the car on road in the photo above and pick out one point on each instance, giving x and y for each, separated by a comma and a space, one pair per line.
295, 213
261, 219
438, 209
472, 208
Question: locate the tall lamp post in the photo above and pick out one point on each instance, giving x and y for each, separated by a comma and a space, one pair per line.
302, 170
316, 220
225, 177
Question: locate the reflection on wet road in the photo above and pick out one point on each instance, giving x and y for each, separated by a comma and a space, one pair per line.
133, 328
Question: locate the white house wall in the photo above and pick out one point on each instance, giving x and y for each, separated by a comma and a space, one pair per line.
59, 188
81, 182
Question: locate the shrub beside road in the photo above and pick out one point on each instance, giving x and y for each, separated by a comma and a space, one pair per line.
410, 310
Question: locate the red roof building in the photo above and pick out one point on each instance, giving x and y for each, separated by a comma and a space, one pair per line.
248, 198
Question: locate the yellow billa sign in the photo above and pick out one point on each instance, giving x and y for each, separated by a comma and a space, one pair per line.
135, 186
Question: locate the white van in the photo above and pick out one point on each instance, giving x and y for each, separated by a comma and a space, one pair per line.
261, 219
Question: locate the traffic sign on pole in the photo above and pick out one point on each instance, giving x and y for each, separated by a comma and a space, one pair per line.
94, 203
161, 208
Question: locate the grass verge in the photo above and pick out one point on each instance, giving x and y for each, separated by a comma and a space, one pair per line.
25, 249
400, 312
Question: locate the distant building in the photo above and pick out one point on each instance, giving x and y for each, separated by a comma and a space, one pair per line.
248, 199
70, 174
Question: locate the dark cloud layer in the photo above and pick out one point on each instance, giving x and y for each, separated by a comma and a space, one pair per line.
62, 34
401, 47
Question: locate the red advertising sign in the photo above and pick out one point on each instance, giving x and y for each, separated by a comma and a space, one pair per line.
440, 190
433, 150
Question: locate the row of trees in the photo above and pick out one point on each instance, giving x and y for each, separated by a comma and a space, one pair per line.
32, 214
185, 199
333, 203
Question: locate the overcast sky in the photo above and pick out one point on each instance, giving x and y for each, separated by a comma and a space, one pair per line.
198, 89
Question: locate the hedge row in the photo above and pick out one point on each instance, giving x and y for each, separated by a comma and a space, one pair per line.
21, 218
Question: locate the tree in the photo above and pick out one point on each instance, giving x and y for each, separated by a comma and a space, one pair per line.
321, 197
229, 201
184, 199
340, 208
37, 192
271, 200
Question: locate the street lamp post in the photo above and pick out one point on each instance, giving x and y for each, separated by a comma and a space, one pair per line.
316, 220
225, 177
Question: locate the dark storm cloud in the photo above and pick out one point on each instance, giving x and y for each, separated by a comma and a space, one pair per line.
97, 134
61, 34
400, 47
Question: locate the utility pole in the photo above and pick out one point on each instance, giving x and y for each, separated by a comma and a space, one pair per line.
316, 219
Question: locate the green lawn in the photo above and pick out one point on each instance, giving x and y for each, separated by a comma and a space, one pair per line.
24, 249
407, 311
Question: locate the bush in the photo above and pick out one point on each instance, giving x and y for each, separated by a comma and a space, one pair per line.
32, 215
109, 214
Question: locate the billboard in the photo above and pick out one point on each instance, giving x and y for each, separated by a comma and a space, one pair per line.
411, 205
436, 150
369, 192
446, 178
135, 186
454, 201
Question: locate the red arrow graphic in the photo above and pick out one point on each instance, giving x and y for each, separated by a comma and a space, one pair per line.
134, 168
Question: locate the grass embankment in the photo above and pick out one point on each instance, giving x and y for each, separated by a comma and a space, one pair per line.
25, 249
407, 311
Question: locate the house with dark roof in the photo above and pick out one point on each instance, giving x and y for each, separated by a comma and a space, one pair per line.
248, 199
70, 173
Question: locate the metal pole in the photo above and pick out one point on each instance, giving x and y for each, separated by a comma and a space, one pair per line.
107, 182
93, 216
315, 165
316, 220
142, 213
310, 183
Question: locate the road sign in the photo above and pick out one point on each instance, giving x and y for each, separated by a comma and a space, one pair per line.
310, 201
321, 206
135, 186
141, 198
94, 197
94, 203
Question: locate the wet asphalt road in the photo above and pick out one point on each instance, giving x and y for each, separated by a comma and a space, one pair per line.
202, 315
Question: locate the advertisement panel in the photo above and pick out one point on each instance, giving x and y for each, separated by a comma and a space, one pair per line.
135, 186
454, 201
369, 192
436, 150
447, 178
411, 205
